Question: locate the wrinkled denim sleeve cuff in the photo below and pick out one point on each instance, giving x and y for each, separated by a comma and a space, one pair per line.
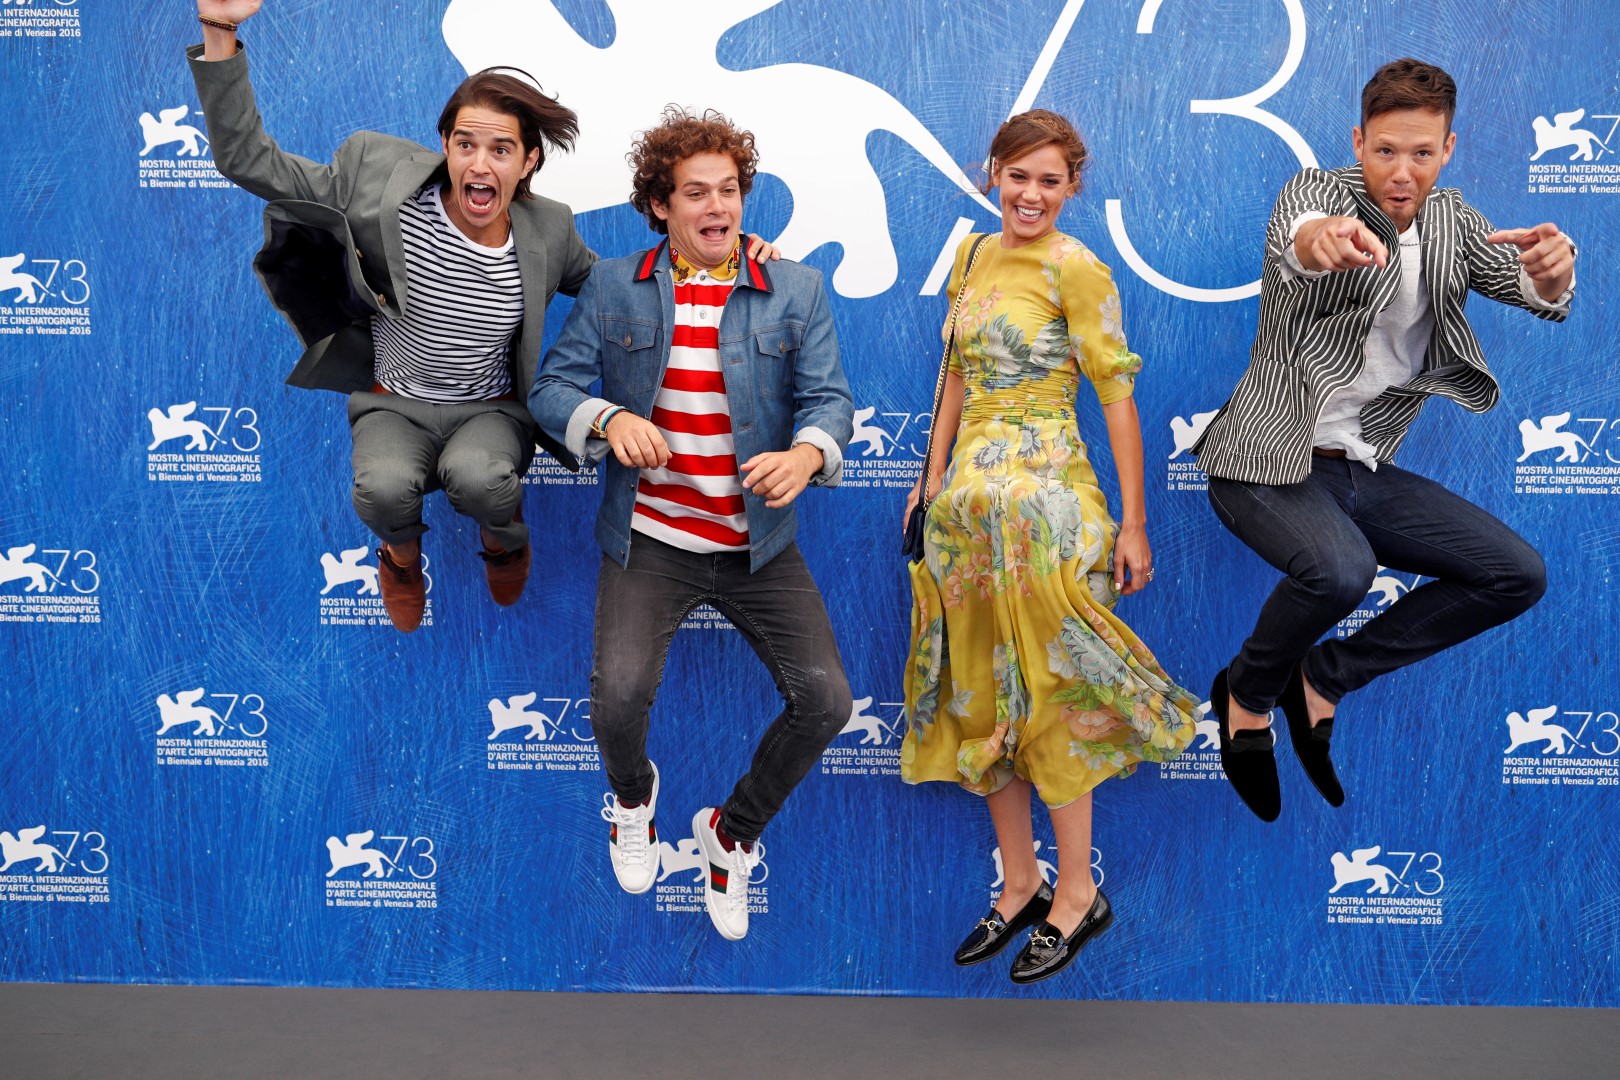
579, 441
832, 459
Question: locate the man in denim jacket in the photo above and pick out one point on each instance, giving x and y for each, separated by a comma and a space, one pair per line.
722, 398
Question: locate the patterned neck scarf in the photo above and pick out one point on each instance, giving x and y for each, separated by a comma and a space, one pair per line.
724, 272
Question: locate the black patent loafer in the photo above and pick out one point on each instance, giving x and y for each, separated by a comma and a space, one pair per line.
1247, 759
994, 933
1312, 745
1049, 951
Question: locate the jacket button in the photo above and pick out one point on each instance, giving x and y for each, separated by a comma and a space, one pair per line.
781, 346
381, 299
359, 254
627, 341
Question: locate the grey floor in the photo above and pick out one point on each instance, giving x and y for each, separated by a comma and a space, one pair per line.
226, 1033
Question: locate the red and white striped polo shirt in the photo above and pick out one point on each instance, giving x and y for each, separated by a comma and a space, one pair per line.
696, 501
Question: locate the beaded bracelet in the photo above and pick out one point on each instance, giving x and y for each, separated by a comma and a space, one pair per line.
217, 24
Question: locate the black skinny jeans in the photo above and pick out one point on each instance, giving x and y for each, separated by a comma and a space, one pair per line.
777, 609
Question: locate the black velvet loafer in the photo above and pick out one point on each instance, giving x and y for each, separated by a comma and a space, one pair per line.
1049, 952
1311, 744
994, 933
1247, 760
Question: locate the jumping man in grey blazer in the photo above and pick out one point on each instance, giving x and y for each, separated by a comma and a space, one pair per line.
418, 283
1361, 321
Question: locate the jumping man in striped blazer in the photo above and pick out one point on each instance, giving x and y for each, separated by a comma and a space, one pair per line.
1361, 321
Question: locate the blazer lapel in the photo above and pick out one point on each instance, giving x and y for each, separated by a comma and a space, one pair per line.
537, 289
408, 177
1385, 282
1437, 228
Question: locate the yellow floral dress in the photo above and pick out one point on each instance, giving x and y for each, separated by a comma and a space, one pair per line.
1018, 665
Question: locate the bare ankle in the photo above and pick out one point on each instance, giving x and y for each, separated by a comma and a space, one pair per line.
1016, 893
1069, 905
1241, 719
1317, 707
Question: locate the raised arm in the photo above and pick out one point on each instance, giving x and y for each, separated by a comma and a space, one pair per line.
243, 151
219, 41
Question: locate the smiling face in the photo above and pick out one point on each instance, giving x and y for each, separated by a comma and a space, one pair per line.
485, 157
1401, 154
704, 212
1033, 188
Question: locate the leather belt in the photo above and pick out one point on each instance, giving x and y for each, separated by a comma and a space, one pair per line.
1324, 452
379, 388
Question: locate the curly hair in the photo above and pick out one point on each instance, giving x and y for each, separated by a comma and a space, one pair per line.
1030, 131
680, 135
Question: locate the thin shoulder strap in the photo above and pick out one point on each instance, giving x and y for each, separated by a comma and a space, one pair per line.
945, 361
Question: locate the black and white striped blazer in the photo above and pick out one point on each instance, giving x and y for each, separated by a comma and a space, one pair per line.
1309, 343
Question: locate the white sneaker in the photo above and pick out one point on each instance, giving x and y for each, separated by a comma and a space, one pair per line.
633, 840
725, 875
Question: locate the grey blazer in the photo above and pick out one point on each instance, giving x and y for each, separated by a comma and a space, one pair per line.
1312, 331
333, 255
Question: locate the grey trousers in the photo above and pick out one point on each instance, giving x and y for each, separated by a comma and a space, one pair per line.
476, 451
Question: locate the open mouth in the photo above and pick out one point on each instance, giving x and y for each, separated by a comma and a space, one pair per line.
480, 198
1029, 214
715, 234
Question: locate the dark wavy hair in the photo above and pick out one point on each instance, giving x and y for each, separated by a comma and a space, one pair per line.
542, 120
1408, 84
1028, 132
680, 135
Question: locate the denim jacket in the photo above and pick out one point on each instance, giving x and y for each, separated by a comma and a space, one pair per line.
778, 352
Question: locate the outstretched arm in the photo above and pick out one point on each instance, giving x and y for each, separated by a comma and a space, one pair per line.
243, 151
1338, 244
218, 42
1545, 254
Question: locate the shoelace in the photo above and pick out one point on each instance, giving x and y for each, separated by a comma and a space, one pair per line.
632, 839
742, 868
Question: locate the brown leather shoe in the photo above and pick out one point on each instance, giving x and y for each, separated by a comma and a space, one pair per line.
404, 591
507, 572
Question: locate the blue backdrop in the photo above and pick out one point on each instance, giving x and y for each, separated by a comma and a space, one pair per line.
203, 703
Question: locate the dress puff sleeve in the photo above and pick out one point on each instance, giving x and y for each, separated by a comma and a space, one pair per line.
1096, 326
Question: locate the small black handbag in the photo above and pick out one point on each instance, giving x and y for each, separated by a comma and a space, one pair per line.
912, 546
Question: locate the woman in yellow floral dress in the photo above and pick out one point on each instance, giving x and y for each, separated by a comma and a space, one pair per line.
1020, 676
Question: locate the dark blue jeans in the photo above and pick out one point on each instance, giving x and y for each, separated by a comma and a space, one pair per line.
779, 612
1328, 535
